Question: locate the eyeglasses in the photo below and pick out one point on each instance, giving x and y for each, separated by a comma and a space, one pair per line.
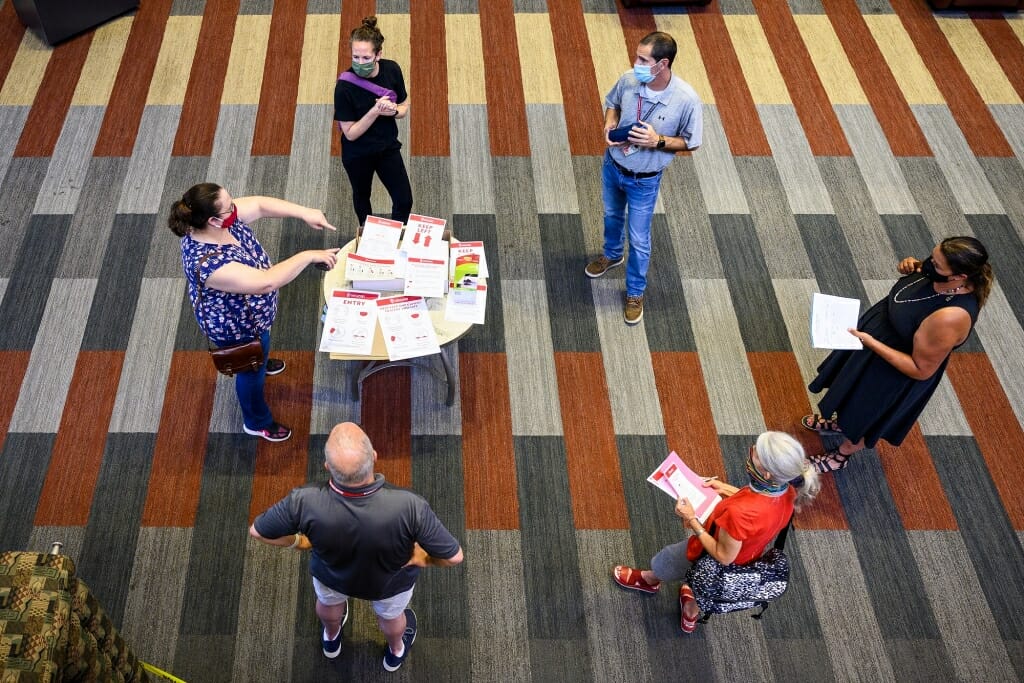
225, 213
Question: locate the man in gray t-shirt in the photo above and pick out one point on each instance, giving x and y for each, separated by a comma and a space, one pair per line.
368, 539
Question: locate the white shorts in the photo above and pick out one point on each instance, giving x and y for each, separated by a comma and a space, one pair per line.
388, 608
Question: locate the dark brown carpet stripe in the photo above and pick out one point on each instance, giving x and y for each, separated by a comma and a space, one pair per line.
177, 469
11, 33
506, 112
81, 439
275, 118
916, 489
735, 104
12, 371
582, 103
46, 118
1006, 47
686, 411
489, 470
201, 107
428, 125
591, 452
387, 419
891, 109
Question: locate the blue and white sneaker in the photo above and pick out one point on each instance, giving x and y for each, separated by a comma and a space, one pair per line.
332, 648
391, 662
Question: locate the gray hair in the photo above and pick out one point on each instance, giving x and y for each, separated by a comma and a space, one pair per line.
784, 458
363, 463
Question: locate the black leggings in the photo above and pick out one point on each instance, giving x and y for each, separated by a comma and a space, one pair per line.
390, 168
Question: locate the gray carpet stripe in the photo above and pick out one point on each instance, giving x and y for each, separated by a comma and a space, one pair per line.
719, 182
935, 199
1005, 176
164, 258
878, 167
739, 650
1009, 120
794, 297
66, 173
533, 397
517, 224
310, 160
12, 121
473, 182
430, 415
23, 463
93, 222
431, 179
550, 159
792, 155
693, 243
18, 194
1003, 340
144, 181
229, 163
42, 538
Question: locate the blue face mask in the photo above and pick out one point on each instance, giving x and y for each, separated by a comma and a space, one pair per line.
643, 73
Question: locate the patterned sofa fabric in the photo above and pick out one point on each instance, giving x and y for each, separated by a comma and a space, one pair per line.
52, 628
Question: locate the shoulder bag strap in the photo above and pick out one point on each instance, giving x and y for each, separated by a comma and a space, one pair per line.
200, 287
378, 90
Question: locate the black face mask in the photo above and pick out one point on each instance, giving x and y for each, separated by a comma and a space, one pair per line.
928, 270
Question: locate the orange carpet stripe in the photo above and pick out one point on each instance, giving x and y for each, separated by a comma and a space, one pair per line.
428, 124
811, 102
591, 451
387, 420
781, 392
176, 474
78, 448
128, 98
916, 489
280, 467
995, 427
979, 128
53, 99
686, 411
736, 108
894, 115
12, 371
636, 23
201, 107
1005, 46
275, 117
506, 111
12, 31
582, 103
489, 466
352, 14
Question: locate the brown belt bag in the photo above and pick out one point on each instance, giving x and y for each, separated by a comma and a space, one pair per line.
230, 360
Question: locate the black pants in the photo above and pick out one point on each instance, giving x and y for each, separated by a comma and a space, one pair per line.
390, 168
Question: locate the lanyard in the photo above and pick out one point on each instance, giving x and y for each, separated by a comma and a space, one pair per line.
639, 107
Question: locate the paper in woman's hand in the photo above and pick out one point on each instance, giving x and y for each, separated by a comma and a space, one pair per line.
831, 320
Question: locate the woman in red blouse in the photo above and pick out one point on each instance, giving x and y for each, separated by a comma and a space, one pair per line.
746, 521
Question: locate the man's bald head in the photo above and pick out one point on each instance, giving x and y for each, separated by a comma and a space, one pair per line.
349, 455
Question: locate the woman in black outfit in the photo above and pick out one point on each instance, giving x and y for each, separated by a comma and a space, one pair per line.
878, 392
367, 121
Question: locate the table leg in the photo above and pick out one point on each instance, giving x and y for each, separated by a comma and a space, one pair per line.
449, 375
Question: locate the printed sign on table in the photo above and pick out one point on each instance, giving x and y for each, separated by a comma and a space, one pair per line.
350, 322
407, 327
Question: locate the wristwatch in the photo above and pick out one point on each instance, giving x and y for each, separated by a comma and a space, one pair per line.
661, 142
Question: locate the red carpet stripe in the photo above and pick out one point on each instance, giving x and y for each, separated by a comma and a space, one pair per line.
891, 109
965, 104
12, 372
128, 98
201, 107
12, 31
387, 420
1005, 46
735, 104
506, 110
590, 447
177, 470
636, 23
275, 118
280, 467
995, 427
81, 439
582, 103
428, 125
916, 489
489, 465
352, 14
46, 118
810, 100
686, 411
781, 391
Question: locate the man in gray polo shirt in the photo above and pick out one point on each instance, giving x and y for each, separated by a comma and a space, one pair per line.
368, 538
662, 115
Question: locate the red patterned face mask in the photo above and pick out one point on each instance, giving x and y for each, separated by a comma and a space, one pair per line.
229, 220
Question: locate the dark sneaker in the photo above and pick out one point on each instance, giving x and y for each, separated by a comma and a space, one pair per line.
275, 432
391, 662
634, 312
332, 648
275, 366
602, 265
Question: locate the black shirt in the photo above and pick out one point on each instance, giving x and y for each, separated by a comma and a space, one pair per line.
352, 102
361, 537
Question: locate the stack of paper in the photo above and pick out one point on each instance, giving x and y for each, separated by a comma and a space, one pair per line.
375, 263
467, 291
350, 322
425, 252
407, 327
831, 319
679, 481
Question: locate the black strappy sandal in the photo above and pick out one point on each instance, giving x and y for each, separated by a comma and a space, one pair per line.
816, 423
831, 461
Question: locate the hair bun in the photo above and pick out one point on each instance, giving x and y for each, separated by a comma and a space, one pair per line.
370, 22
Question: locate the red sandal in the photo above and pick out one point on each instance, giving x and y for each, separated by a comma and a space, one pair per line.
633, 579
685, 623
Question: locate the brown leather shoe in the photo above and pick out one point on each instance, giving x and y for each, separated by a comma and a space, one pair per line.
602, 265
634, 312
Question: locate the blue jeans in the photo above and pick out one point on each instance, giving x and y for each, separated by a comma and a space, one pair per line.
640, 194
249, 388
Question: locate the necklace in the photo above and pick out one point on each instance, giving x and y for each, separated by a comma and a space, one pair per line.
949, 293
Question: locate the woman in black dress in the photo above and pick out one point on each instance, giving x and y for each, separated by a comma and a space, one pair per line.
369, 133
878, 392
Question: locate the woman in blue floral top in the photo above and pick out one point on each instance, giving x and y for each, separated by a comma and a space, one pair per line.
239, 297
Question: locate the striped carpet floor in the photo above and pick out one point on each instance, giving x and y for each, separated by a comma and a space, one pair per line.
839, 136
